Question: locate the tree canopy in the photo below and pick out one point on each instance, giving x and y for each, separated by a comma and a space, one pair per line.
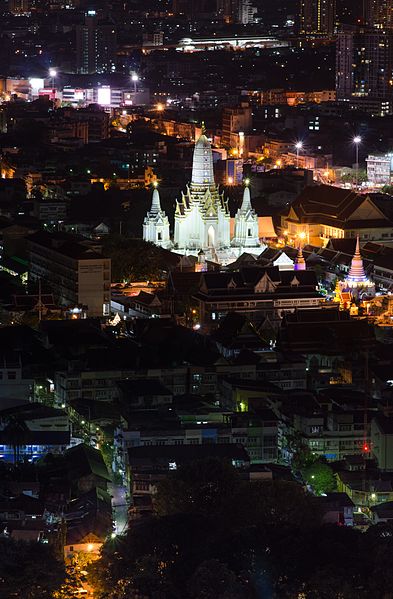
133, 259
320, 476
218, 535
28, 570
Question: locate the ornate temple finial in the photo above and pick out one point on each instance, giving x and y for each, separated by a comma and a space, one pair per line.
300, 263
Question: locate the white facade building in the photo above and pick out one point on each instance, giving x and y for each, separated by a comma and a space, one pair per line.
156, 224
379, 169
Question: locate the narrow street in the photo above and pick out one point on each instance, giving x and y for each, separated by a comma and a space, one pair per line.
119, 507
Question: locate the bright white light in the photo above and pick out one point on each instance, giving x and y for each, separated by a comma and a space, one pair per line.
134, 77
104, 96
52, 73
36, 83
299, 145
357, 139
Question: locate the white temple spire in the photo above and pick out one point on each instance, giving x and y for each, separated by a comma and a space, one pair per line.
246, 203
202, 164
155, 202
156, 223
356, 272
246, 232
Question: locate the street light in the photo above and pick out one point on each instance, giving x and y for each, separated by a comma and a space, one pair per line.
53, 75
135, 79
298, 146
357, 140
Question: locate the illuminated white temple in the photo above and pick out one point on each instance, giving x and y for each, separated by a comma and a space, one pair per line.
156, 224
246, 234
202, 219
356, 276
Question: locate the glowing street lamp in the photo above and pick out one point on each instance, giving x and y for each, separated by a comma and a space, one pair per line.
357, 140
52, 75
135, 79
298, 146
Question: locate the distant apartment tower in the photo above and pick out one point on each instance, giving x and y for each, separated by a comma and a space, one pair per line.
95, 46
236, 120
236, 11
246, 12
364, 65
317, 17
18, 7
379, 13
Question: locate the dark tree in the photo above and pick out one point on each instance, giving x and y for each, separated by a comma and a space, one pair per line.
28, 570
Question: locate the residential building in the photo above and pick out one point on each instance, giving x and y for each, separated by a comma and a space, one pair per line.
236, 121
19, 7
95, 46
247, 12
317, 17
382, 441
379, 169
332, 343
364, 63
366, 486
379, 13
74, 268
150, 464
13, 384
337, 509
382, 513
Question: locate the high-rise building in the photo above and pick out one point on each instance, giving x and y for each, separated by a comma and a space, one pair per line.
236, 121
317, 17
237, 11
18, 7
246, 12
379, 13
95, 46
364, 65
